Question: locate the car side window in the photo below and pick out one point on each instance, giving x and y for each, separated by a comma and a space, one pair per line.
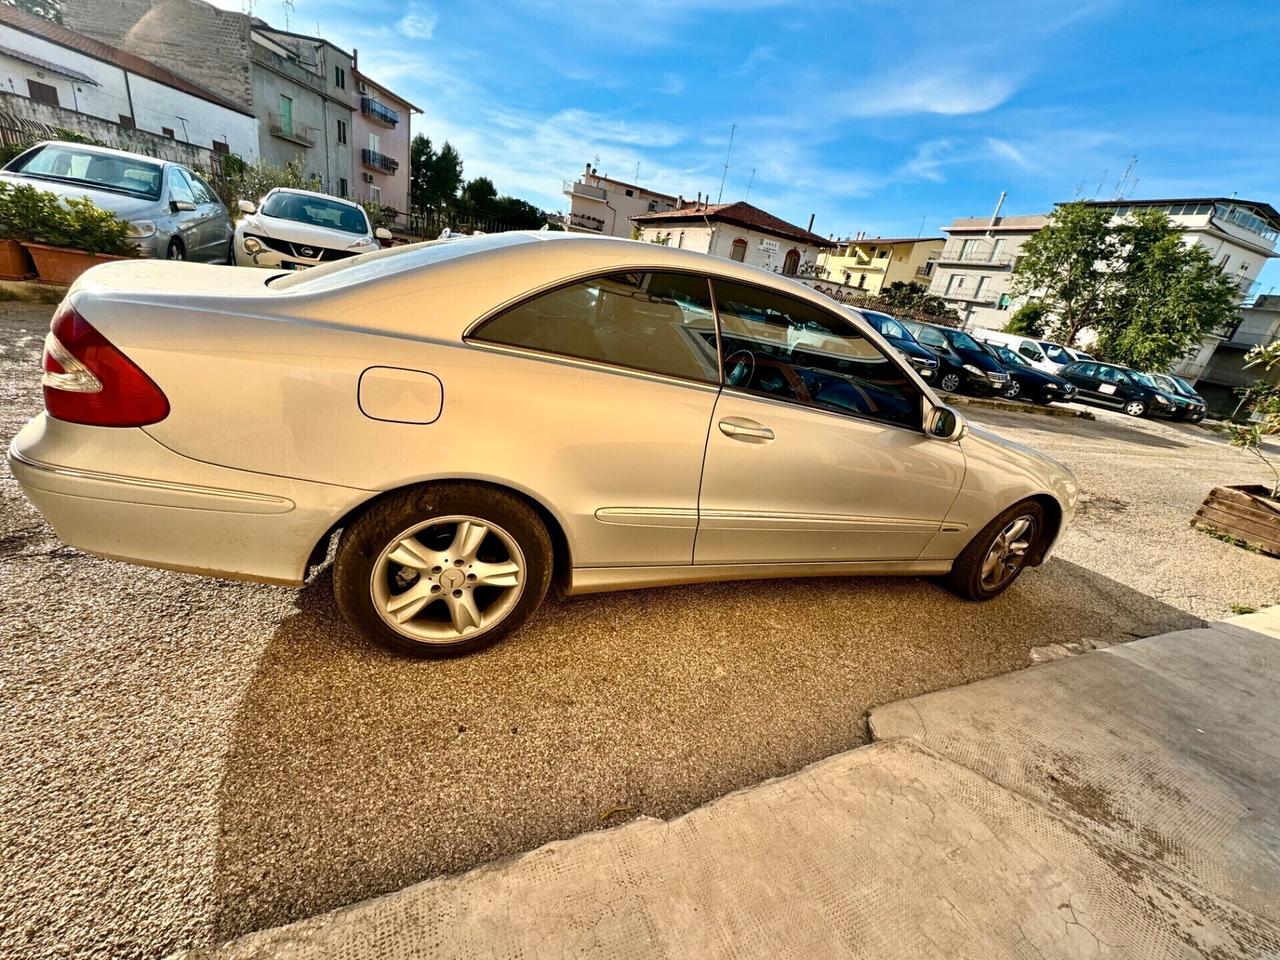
203, 192
656, 322
779, 347
1084, 369
1111, 375
1030, 350
179, 188
933, 338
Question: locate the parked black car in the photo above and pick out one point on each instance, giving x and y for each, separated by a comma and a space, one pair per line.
962, 362
1191, 405
1109, 385
1028, 383
924, 360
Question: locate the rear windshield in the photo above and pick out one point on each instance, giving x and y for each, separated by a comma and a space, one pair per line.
381, 263
886, 325
1056, 353
316, 211
136, 176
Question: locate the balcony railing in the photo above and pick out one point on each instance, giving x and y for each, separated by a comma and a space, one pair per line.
980, 298
584, 221
372, 108
979, 256
379, 161
286, 128
926, 269
584, 190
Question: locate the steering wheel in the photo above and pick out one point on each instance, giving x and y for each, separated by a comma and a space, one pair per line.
739, 368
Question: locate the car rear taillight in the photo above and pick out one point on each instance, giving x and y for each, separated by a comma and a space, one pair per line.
87, 380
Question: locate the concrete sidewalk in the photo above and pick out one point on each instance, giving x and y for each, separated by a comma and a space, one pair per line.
1123, 803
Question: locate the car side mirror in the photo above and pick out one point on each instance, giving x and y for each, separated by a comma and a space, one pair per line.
943, 423
178, 206
382, 233
247, 207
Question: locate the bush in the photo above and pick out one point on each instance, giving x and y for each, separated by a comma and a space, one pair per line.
37, 216
252, 181
1028, 320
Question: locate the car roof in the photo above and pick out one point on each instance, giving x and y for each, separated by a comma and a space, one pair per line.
104, 151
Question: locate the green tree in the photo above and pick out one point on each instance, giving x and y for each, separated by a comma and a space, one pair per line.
447, 175
1028, 320
49, 9
477, 199
1263, 400
422, 158
1166, 295
518, 214
437, 177
1066, 266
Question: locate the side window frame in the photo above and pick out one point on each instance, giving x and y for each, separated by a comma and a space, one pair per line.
471, 335
178, 174
839, 321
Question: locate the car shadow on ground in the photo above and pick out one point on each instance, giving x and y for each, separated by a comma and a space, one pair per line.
351, 772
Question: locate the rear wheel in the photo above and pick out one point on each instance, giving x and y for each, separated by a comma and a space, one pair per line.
443, 569
950, 382
998, 554
1135, 408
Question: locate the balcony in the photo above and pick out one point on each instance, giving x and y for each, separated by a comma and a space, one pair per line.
982, 257
286, 128
378, 161
980, 298
584, 221
925, 270
380, 112
577, 188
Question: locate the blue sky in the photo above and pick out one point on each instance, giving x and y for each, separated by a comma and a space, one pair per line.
876, 115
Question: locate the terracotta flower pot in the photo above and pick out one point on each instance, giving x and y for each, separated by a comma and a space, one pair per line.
62, 264
15, 262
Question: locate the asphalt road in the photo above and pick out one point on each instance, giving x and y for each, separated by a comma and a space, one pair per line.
186, 759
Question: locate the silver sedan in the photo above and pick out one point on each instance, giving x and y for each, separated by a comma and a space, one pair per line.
479, 419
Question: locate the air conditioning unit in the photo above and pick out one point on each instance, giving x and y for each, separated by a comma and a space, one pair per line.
364, 88
368, 177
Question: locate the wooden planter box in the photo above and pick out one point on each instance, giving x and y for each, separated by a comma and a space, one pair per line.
62, 264
1247, 512
15, 262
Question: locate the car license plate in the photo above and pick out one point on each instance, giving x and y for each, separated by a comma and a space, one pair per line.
1107, 388
293, 265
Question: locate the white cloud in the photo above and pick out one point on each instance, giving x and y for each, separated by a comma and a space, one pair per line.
419, 22
949, 92
1007, 151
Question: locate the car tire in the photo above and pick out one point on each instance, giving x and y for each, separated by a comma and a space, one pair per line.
176, 251
1012, 391
231, 253
970, 575
423, 526
1135, 408
949, 382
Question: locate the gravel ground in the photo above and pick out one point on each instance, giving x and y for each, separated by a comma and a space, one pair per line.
189, 759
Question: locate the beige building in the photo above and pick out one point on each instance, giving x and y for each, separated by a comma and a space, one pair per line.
380, 140
605, 206
975, 268
872, 263
736, 231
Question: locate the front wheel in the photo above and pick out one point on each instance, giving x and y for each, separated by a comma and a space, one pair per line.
1135, 408
176, 251
1012, 390
950, 382
443, 569
998, 554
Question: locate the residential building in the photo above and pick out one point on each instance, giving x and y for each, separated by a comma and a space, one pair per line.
975, 267
736, 231
380, 143
872, 263
599, 204
75, 81
1220, 372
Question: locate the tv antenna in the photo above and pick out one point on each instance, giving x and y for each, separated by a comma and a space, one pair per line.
1101, 180
728, 154
749, 183
1124, 180
287, 5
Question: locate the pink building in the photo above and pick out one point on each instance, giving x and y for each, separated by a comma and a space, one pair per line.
380, 143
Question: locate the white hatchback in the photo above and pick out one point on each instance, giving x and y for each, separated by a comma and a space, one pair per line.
294, 229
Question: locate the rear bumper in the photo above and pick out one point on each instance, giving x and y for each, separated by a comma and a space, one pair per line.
119, 493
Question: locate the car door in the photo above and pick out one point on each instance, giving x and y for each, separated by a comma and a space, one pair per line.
1113, 385
187, 223
1083, 375
815, 451
606, 388
215, 225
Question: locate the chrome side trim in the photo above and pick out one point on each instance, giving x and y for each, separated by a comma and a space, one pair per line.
63, 480
669, 517
751, 520
602, 579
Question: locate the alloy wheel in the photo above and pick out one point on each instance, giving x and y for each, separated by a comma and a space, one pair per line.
1013, 389
1008, 551
448, 579
950, 382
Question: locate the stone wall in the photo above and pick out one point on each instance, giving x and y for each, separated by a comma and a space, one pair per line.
196, 40
22, 119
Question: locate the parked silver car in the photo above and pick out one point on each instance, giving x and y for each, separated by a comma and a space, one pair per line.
171, 211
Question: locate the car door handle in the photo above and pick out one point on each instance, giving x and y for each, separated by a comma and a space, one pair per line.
748, 431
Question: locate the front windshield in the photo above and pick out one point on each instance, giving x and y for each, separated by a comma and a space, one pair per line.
1009, 357
316, 211
887, 326
100, 171
1056, 353
1143, 379
1164, 383
962, 340
1185, 387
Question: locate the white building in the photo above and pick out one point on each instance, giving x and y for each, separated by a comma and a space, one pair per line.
736, 231
605, 206
60, 68
975, 268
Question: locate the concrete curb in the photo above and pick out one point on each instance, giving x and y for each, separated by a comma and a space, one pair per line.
32, 291
1010, 406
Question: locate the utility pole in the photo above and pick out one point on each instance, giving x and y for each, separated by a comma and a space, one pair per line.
727, 155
